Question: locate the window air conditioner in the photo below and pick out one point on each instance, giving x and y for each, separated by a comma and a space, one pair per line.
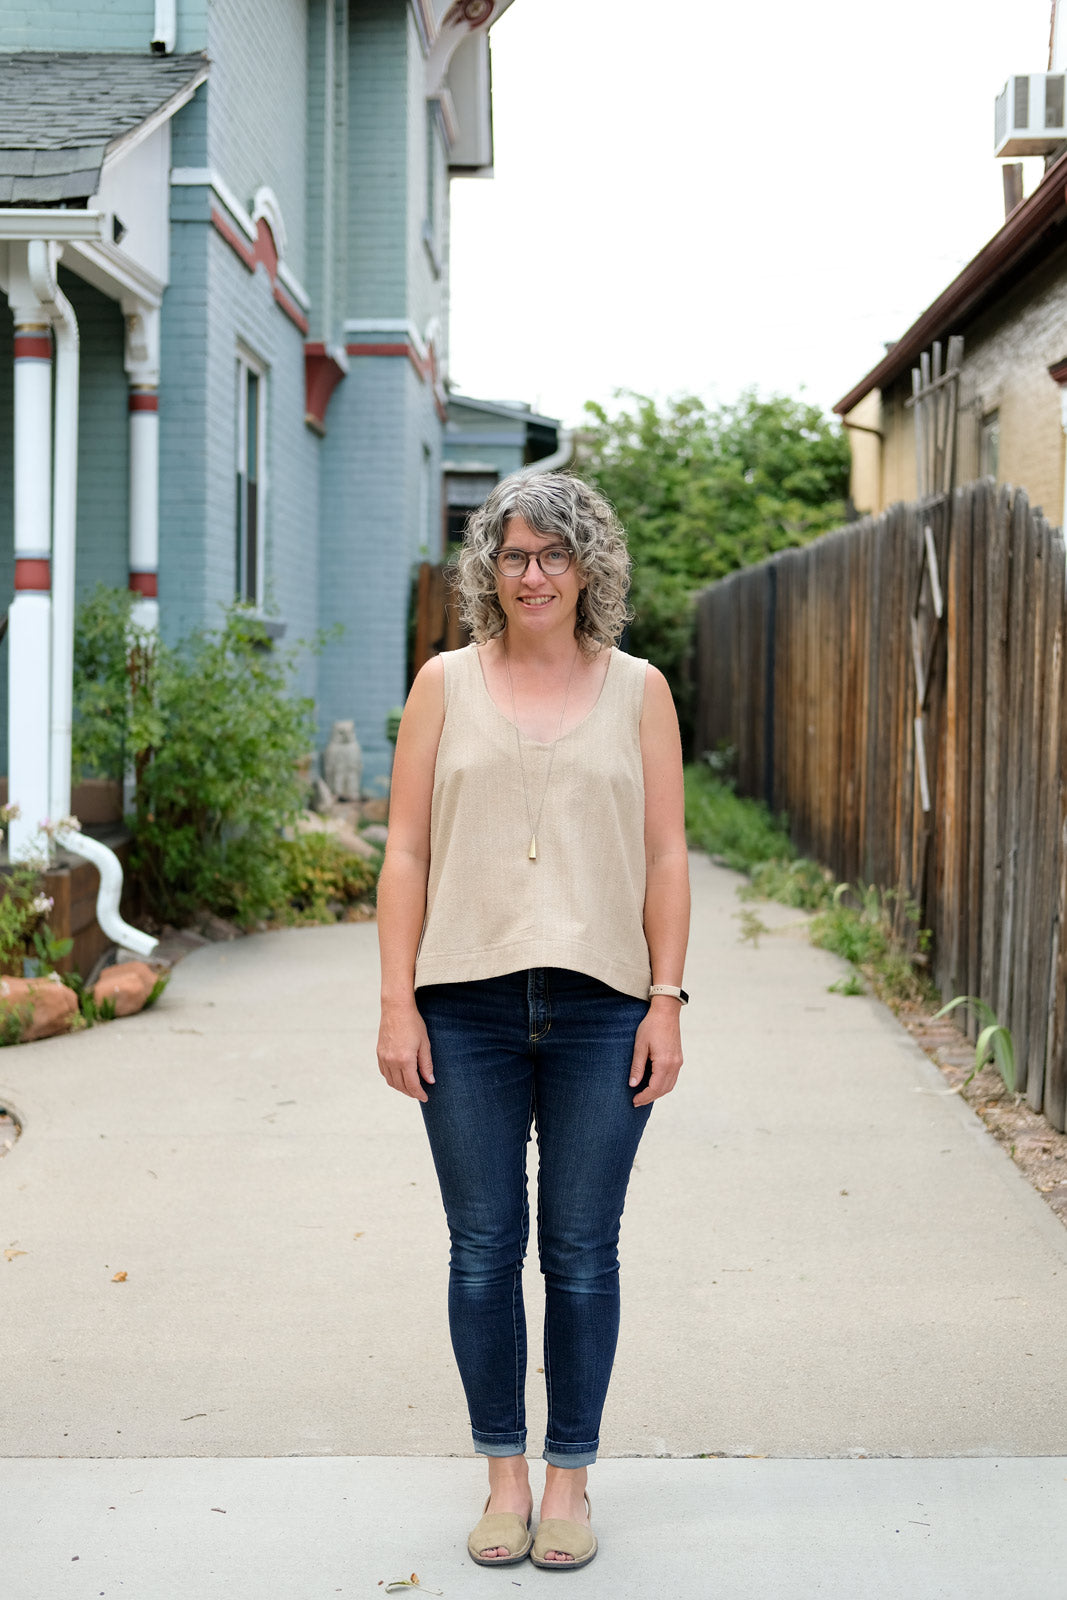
1030, 115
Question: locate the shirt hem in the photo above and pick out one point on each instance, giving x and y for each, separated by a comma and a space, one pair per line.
469, 965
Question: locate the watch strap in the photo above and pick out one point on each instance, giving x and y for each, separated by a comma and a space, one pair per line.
671, 989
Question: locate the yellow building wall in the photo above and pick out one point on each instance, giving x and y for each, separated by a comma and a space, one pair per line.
1007, 352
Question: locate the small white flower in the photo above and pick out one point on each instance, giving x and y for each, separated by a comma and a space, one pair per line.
42, 904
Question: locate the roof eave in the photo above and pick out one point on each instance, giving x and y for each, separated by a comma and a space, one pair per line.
1008, 245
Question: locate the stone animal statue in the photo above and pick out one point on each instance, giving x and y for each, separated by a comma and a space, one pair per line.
342, 762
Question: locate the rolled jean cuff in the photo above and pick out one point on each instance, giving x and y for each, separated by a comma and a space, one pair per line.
499, 1444
570, 1455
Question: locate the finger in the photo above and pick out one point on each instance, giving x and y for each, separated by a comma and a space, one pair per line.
661, 1082
425, 1061
639, 1062
412, 1085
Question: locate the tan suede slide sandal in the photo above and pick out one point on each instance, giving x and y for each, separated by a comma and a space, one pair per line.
569, 1538
504, 1529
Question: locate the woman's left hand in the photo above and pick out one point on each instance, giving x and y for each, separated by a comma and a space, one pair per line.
657, 1050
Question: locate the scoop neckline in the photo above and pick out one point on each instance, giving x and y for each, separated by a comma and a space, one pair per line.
542, 744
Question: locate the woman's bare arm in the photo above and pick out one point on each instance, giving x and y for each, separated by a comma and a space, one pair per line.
403, 1048
658, 1043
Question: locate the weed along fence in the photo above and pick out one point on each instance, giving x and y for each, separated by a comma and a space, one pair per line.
897, 688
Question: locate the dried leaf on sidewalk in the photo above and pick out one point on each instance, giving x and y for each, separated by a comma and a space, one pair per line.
409, 1583
9, 1255
120, 1277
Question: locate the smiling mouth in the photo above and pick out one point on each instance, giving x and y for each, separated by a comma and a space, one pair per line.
535, 600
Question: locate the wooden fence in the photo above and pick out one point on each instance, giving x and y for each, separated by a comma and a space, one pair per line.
805, 666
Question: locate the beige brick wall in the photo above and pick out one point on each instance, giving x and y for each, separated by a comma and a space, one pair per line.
1007, 352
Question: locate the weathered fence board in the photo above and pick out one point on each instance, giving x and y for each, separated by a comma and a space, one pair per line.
807, 666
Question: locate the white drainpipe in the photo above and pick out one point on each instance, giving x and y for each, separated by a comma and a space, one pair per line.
41, 259
560, 457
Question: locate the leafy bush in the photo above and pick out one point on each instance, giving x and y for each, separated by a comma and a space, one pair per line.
864, 933
741, 832
214, 739
25, 935
318, 876
703, 490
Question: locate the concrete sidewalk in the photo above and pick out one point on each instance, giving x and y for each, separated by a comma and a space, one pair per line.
825, 1255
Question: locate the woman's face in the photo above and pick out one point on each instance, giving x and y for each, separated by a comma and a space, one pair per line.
534, 604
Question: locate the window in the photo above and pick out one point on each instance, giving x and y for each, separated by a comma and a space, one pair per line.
251, 480
989, 445
463, 492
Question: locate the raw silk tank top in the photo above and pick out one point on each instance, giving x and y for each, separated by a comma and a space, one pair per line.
580, 905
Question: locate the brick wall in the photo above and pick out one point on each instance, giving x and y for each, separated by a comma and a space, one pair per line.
1007, 352
257, 92
105, 25
377, 160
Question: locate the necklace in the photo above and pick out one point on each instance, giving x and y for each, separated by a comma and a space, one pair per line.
531, 854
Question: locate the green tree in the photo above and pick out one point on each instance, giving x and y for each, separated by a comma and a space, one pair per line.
703, 490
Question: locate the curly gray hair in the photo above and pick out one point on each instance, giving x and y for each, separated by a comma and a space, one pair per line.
554, 504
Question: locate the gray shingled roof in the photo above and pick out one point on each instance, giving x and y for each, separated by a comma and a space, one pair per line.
62, 111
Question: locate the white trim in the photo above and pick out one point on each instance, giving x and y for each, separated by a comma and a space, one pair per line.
247, 361
206, 178
113, 272
144, 130
26, 222
265, 204
400, 325
294, 286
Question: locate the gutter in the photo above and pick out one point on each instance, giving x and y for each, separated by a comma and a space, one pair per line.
41, 262
1018, 235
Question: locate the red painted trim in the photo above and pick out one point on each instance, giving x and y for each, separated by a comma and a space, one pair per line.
145, 583
263, 253
291, 310
33, 347
322, 374
1020, 235
236, 242
423, 368
33, 572
1058, 371
144, 400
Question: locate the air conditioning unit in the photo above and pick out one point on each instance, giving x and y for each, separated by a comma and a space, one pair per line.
1030, 115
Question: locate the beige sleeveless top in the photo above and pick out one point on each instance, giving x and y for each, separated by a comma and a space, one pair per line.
489, 909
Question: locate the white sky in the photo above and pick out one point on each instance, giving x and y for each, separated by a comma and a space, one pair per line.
694, 195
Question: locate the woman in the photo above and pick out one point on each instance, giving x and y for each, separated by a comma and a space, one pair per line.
533, 912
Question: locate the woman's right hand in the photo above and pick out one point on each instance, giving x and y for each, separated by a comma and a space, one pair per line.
404, 1050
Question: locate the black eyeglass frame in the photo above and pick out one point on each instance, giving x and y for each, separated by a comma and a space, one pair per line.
532, 555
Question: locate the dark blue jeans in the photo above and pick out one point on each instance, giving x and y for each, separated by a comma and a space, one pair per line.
551, 1049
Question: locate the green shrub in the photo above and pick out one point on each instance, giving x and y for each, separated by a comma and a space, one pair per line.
741, 832
213, 737
802, 883
318, 876
859, 926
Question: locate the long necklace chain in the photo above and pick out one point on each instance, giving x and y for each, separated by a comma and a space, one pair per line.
531, 854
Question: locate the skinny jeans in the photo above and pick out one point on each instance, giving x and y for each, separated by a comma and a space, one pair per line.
551, 1050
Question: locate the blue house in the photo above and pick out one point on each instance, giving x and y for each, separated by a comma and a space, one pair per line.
224, 258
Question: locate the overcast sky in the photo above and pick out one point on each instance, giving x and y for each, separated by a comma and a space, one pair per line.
695, 195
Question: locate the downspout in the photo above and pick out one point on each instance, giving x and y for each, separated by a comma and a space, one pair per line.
41, 266
560, 457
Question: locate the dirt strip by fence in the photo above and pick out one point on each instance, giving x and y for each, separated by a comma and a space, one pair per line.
805, 664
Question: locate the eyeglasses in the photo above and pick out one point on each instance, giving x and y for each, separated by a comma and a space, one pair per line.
512, 562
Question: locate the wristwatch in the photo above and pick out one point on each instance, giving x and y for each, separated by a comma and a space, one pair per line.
669, 988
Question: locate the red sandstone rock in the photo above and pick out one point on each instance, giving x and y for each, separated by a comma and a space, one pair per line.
129, 984
46, 1005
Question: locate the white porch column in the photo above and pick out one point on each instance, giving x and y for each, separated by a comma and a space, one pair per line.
30, 617
142, 369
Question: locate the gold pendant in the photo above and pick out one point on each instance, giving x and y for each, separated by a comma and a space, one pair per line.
532, 852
